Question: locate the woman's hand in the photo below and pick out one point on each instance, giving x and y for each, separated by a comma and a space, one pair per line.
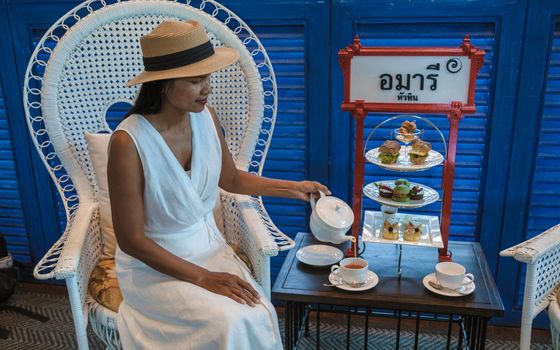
231, 286
306, 189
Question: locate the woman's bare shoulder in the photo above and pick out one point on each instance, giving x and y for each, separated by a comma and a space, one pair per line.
122, 151
121, 140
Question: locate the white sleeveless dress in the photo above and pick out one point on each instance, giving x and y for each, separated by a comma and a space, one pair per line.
159, 311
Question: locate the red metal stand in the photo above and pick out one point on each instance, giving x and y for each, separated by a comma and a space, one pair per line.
359, 115
454, 110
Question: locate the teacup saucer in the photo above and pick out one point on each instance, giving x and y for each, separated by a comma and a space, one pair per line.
371, 281
461, 292
319, 255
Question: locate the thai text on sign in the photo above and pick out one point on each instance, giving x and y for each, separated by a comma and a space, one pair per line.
410, 79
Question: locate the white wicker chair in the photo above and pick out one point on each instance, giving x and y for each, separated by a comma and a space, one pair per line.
542, 280
79, 69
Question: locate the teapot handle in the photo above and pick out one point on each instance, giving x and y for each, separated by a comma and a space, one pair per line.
313, 201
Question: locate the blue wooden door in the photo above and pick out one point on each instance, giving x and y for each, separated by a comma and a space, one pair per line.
28, 217
533, 186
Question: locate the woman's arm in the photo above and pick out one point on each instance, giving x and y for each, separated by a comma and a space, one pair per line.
126, 187
242, 182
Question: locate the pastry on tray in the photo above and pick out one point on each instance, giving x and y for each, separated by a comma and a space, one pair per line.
407, 131
416, 193
407, 127
390, 229
389, 152
412, 231
402, 182
419, 151
400, 193
384, 190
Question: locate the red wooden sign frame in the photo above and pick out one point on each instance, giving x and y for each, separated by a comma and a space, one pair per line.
455, 111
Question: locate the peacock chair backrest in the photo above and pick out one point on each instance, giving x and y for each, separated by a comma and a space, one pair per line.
80, 67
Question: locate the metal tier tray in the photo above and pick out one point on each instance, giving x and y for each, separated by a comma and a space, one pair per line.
373, 226
430, 196
434, 158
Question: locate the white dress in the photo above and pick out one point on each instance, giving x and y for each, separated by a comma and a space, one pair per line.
159, 311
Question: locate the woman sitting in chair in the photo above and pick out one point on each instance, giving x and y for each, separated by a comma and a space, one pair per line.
183, 286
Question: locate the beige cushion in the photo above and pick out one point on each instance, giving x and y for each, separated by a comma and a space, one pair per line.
104, 286
241, 254
98, 146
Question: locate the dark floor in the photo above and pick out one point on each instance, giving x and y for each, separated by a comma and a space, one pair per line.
502, 334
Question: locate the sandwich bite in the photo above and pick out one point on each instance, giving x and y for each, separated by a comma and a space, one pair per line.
389, 152
419, 151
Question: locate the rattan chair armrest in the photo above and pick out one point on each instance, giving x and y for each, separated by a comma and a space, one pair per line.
531, 250
62, 259
272, 239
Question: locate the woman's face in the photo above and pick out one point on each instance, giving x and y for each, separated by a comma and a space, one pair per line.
189, 94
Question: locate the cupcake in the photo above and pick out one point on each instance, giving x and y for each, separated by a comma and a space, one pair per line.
390, 229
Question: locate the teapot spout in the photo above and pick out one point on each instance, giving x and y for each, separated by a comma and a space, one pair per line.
344, 239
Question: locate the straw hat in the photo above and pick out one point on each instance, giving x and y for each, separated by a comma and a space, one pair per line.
177, 49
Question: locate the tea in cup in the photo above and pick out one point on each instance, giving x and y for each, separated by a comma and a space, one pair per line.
451, 275
351, 270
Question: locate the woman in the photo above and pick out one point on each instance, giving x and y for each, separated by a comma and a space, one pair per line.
183, 286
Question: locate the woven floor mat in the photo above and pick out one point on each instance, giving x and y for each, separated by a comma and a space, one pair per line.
58, 332
333, 337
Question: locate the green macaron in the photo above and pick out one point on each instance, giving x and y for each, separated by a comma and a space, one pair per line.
402, 182
400, 193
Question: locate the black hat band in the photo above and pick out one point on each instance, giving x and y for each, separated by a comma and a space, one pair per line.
178, 59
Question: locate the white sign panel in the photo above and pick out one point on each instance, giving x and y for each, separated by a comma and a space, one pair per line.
410, 79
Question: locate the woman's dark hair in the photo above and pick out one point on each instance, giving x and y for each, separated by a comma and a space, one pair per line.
150, 98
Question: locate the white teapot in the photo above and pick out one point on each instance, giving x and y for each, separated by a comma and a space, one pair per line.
330, 219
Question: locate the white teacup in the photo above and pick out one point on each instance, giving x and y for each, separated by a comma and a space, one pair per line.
451, 275
351, 270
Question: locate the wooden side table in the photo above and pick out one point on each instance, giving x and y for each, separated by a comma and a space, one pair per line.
301, 287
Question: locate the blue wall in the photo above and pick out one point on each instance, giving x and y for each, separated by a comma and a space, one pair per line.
508, 170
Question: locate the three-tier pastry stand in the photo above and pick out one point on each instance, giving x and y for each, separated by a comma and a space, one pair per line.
379, 79
373, 221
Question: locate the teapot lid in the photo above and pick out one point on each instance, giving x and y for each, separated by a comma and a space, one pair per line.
334, 212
